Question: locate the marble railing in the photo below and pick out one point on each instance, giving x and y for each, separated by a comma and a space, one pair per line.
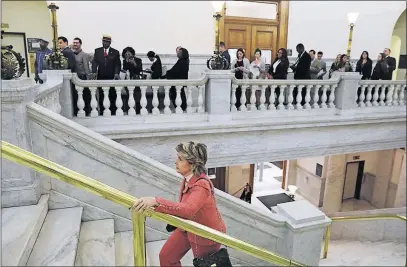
381, 93
283, 95
48, 96
139, 97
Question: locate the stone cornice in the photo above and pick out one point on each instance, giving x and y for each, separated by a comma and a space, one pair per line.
43, 115
19, 90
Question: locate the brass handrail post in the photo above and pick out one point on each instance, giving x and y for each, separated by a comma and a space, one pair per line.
350, 39
326, 241
139, 240
53, 7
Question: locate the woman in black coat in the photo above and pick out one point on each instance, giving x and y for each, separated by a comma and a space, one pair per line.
381, 68
364, 66
156, 68
278, 71
132, 63
179, 72
247, 194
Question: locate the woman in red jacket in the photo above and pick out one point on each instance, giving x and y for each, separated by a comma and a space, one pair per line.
196, 203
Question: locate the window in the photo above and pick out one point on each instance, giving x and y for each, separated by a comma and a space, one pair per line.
251, 9
318, 170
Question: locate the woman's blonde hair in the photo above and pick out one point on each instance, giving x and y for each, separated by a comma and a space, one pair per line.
195, 154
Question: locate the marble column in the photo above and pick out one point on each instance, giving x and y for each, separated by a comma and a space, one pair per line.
65, 96
292, 172
335, 178
384, 168
400, 198
306, 226
19, 184
346, 93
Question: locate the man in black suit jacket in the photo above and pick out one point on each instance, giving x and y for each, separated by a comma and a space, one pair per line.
224, 52
301, 69
391, 63
106, 63
302, 65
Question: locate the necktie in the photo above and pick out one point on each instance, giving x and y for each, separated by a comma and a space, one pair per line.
104, 53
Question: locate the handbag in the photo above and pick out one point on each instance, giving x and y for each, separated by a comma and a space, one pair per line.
170, 228
219, 258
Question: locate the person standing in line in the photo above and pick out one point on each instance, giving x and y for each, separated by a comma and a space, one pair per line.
156, 69
391, 63
335, 65
322, 66
278, 71
301, 69
315, 65
197, 203
344, 64
39, 59
106, 65
67, 52
83, 72
364, 66
240, 67
247, 194
224, 52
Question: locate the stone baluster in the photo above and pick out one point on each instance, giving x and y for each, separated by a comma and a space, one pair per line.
369, 96
263, 98
190, 109
233, 98
93, 102
281, 97
80, 103
119, 101
382, 94
308, 97
315, 97
132, 102
298, 98
361, 103
253, 99
375, 96
401, 98
106, 102
178, 100
396, 95
291, 97
167, 101
389, 100
155, 102
331, 101
143, 101
201, 90
272, 98
243, 98
323, 96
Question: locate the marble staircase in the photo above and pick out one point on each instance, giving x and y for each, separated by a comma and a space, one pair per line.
35, 236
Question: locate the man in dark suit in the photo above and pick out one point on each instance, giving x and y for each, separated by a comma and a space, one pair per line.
224, 52
301, 69
67, 52
391, 63
106, 63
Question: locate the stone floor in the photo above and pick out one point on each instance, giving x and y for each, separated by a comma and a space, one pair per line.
355, 205
358, 253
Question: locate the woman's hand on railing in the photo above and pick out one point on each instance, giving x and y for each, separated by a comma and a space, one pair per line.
144, 203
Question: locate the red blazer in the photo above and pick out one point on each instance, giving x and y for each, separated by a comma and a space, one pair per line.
196, 203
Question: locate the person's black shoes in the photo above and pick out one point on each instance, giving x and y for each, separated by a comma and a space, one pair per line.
220, 258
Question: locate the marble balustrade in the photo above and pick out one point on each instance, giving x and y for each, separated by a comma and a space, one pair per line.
48, 97
381, 93
141, 97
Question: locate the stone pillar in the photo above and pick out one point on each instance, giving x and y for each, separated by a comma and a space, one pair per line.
292, 172
346, 93
335, 179
400, 198
383, 176
217, 95
306, 226
261, 171
65, 96
19, 184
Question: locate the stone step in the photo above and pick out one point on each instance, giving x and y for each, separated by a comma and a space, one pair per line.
96, 244
365, 253
20, 227
58, 239
123, 243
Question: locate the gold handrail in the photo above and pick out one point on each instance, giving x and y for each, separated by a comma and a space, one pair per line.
354, 218
28, 159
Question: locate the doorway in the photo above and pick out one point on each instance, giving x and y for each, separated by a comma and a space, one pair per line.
353, 180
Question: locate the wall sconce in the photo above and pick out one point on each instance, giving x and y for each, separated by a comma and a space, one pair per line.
352, 17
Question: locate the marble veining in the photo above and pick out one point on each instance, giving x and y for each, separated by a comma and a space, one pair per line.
20, 227
58, 239
123, 243
96, 244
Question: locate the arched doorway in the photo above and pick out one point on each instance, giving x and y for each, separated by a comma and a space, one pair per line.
398, 46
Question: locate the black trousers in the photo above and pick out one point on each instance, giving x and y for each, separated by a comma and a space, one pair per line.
173, 96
